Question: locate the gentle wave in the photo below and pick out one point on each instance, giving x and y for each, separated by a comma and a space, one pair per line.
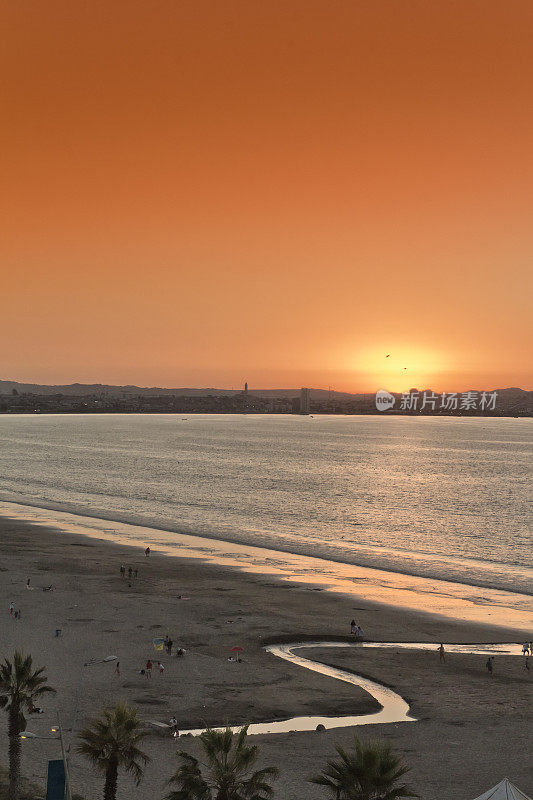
482, 574
446, 598
439, 498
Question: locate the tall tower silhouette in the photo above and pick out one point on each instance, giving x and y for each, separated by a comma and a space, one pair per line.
305, 401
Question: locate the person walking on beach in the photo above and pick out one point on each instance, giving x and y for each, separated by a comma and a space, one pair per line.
117, 669
489, 665
161, 667
525, 649
135, 573
442, 656
129, 572
169, 646
526, 663
122, 571
147, 552
149, 669
353, 627
11, 608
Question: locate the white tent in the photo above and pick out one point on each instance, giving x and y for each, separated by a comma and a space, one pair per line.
504, 790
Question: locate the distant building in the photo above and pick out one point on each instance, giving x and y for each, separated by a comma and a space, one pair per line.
305, 401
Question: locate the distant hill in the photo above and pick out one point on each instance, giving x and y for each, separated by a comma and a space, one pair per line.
81, 389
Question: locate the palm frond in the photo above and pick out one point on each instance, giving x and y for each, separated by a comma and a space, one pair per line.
228, 770
20, 684
113, 739
370, 770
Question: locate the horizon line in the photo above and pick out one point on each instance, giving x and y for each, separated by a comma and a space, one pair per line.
296, 388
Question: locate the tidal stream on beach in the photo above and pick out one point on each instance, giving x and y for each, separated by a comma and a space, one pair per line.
394, 708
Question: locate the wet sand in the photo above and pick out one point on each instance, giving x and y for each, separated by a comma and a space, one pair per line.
452, 599
472, 730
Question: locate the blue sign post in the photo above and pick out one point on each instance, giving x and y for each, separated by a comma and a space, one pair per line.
55, 785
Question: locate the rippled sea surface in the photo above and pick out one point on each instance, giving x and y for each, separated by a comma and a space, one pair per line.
441, 497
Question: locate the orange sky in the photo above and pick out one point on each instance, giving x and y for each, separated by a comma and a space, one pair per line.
202, 193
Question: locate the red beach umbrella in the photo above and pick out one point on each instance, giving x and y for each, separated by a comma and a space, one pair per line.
237, 650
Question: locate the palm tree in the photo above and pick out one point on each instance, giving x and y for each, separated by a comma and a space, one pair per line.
370, 772
20, 686
111, 743
227, 773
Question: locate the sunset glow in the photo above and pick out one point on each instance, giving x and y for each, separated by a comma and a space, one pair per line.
200, 193
404, 368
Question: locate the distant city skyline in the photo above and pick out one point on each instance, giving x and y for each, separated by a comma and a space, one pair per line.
86, 399
285, 193
7, 386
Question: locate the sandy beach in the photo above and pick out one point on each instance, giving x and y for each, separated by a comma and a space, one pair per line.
471, 729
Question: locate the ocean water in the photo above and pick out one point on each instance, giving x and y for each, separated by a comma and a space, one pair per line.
443, 498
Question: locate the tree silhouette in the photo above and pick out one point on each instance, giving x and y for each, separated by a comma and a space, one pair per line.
110, 743
369, 772
20, 686
227, 773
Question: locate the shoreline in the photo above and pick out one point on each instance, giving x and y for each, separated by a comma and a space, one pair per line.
99, 614
450, 599
122, 518
369, 560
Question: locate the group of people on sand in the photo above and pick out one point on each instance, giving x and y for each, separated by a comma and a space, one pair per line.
168, 644
355, 630
527, 648
14, 612
132, 573
149, 666
147, 671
